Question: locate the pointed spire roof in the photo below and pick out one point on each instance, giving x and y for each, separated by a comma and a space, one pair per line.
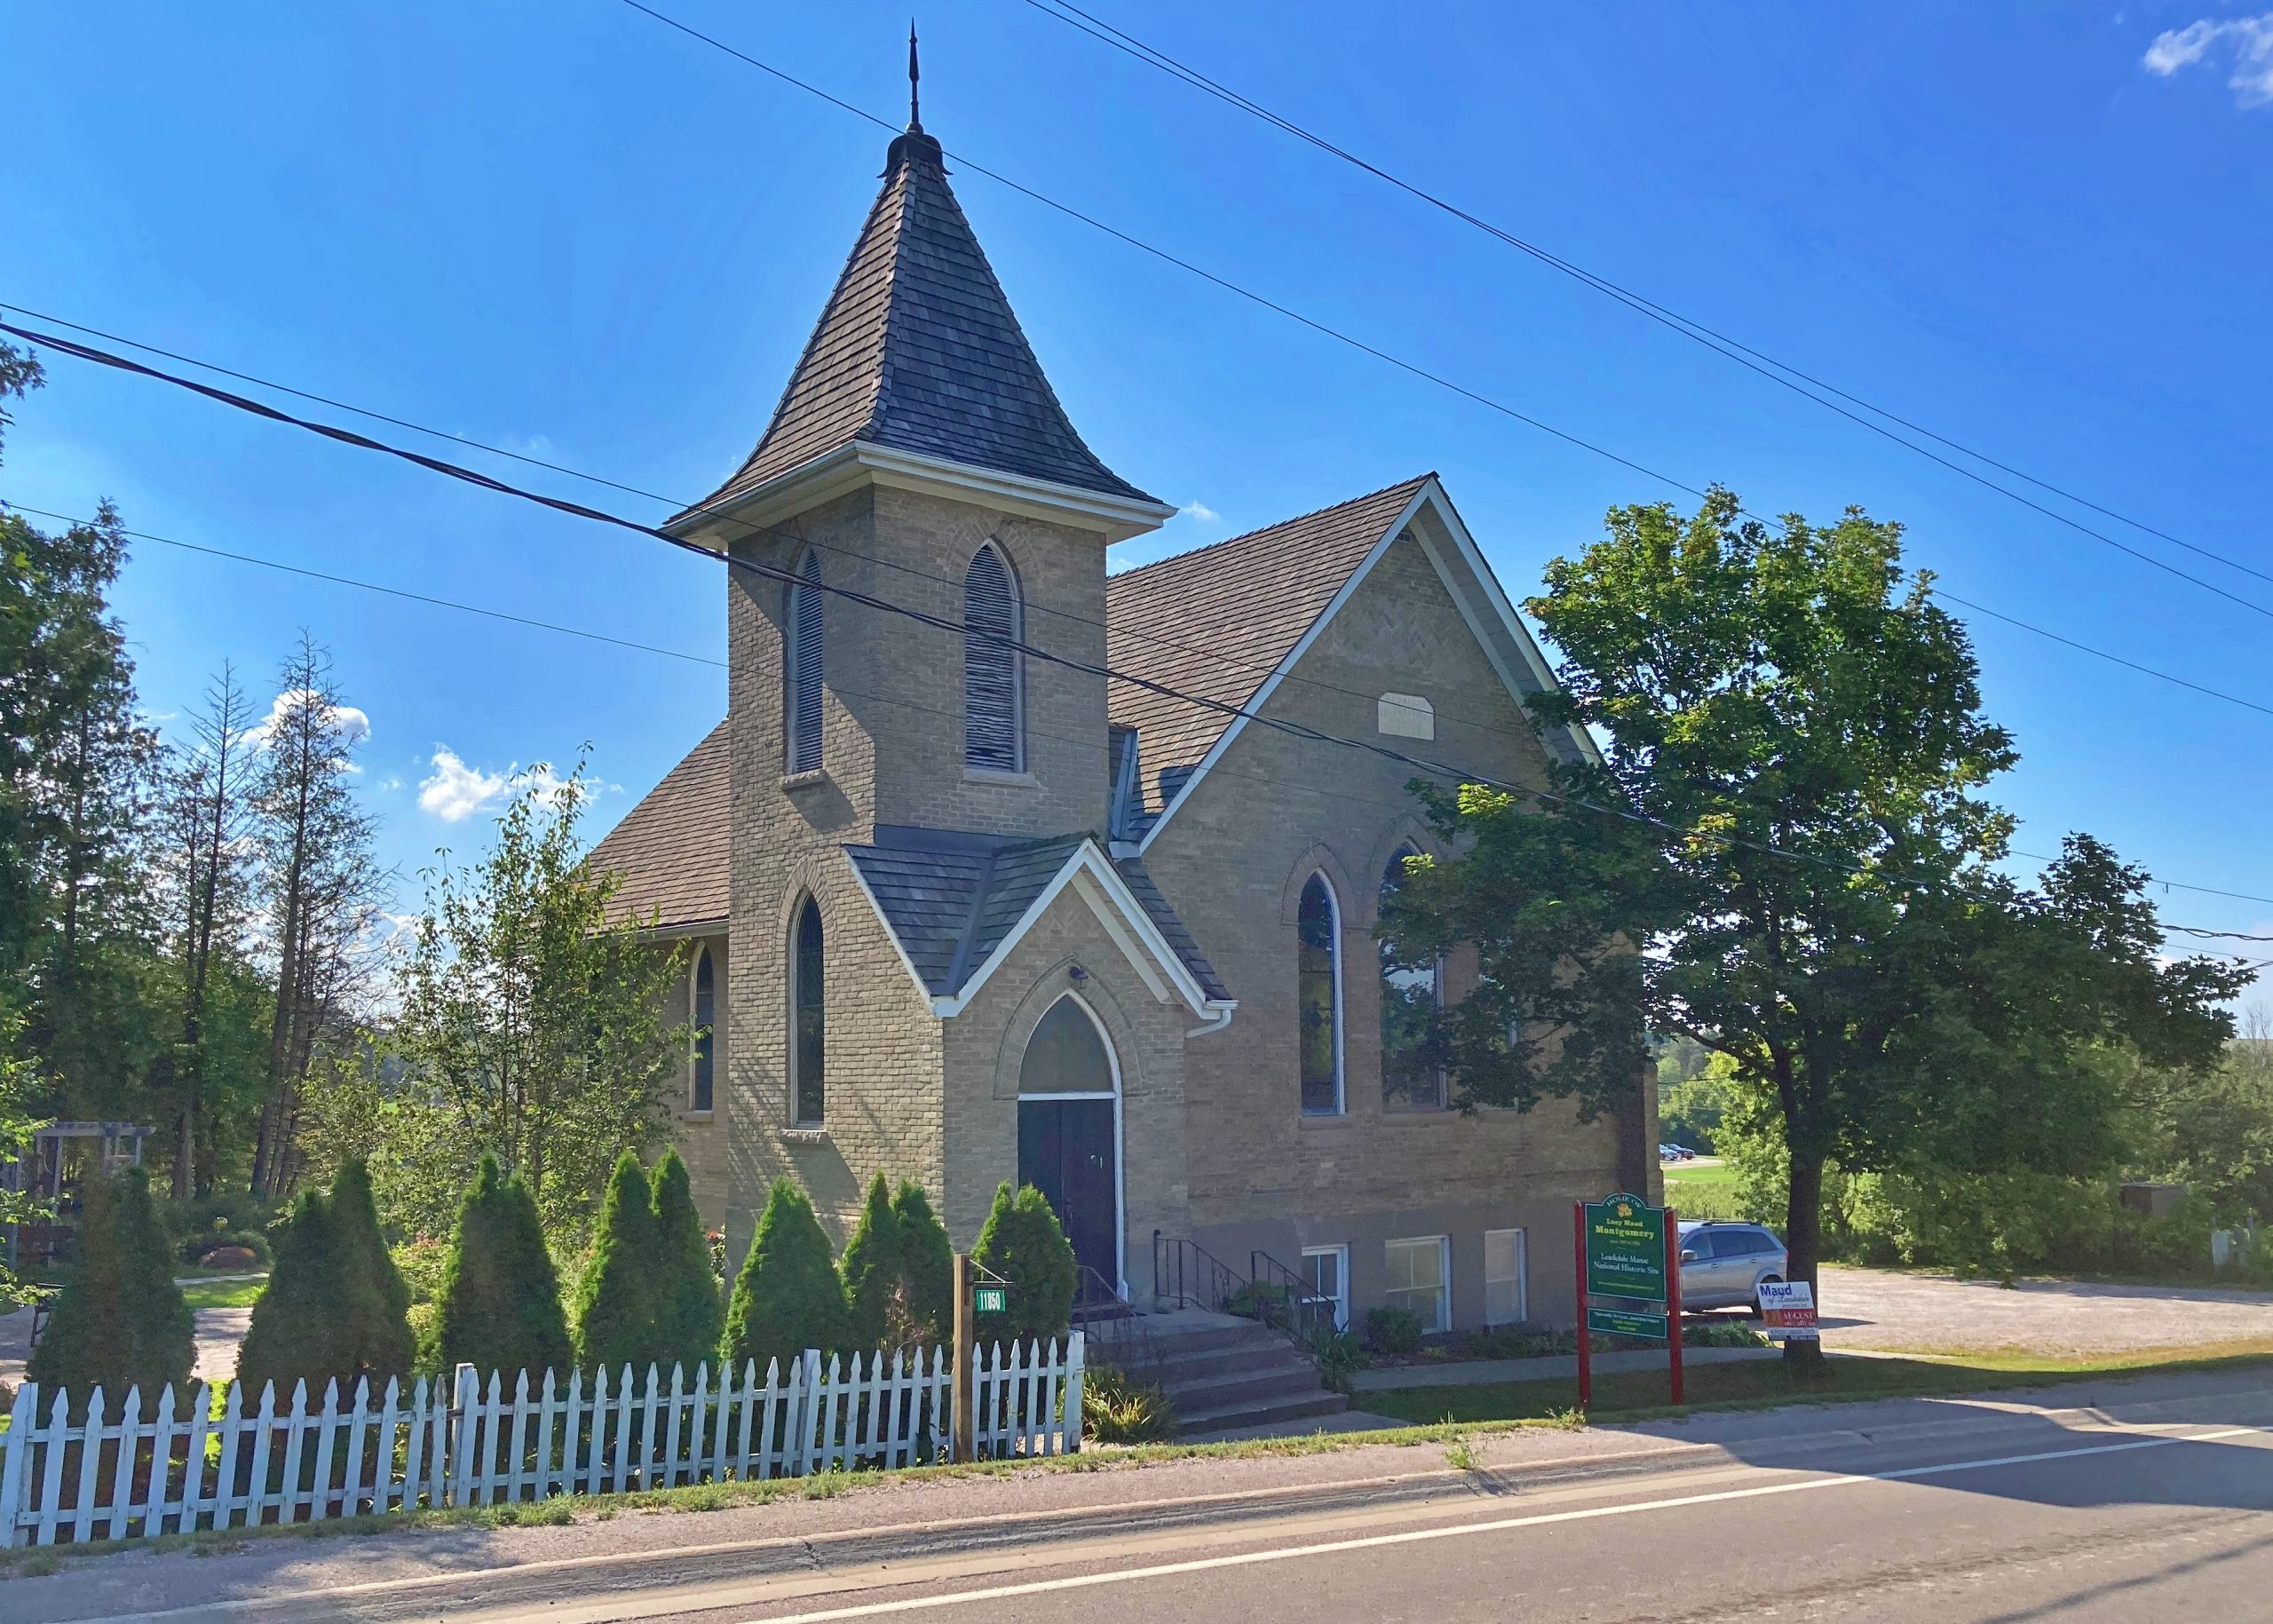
917, 350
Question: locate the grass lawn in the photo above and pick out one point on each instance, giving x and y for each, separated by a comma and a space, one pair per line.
1760, 1383
225, 1294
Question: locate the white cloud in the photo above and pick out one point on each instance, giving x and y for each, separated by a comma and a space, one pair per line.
2250, 40
455, 791
355, 724
1200, 511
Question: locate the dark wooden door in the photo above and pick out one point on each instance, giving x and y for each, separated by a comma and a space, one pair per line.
1066, 1151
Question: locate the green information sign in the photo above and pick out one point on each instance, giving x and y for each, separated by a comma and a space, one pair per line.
1620, 1322
991, 1299
1626, 1251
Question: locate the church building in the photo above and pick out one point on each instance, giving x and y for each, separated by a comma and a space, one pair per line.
962, 906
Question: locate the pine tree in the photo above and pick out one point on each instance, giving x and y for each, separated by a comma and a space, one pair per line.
788, 1297
295, 1333
373, 1298
500, 1307
121, 1321
927, 1265
616, 1300
688, 1314
873, 1269
1023, 1242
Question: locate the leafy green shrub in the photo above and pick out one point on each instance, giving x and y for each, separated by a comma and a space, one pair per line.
499, 1306
1259, 1300
927, 1260
872, 1268
1721, 1334
1117, 1410
1337, 1355
197, 1248
1022, 1242
688, 1312
1392, 1331
788, 1297
615, 1297
234, 1211
121, 1321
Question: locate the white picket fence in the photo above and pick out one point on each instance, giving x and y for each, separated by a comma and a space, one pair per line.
463, 1442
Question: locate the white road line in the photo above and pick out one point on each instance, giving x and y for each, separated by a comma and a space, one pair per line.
1082, 1582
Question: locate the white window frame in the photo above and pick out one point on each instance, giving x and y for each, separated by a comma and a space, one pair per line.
1521, 1279
1390, 1295
1341, 1255
1341, 1000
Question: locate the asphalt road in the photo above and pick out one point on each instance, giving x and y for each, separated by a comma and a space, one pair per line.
2159, 1504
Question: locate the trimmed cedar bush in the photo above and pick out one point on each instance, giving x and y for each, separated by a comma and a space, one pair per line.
688, 1314
335, 1308
500, 1305
1023, 1242
788, 1297
121, 1321
927, 1262
872, 1270
615, 1299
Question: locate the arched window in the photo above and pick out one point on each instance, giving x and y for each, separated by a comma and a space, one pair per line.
1318, 996
705, 1003
807, 1055
1066, 1054
801, 698
993, 730
1412, 1075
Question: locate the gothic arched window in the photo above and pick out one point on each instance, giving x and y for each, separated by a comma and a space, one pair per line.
801, 697
705, 1011
994, 729
1318, 996
808, 1053
1411, 995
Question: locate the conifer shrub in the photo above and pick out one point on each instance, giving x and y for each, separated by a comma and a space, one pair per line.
927, 1261
292, 1335
788, 1297
873, 1271
616, 1297
374, 1298
688, 1314
121, 1321
500, 1305
1023, 1242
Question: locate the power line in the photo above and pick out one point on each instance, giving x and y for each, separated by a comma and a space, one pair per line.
923, 617
373, 586
1688, 327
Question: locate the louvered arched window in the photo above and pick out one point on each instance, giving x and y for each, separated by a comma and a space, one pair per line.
993, 730
801, 698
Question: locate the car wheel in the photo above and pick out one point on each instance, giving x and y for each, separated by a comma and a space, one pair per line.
1766, 1280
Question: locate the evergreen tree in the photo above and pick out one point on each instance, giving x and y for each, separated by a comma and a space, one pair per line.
688, 1314
873, 1271
373, 1299
121, 1321
1022, 1242
294, 1334
500, 1306
788, 1297
927, 1261
616, 1300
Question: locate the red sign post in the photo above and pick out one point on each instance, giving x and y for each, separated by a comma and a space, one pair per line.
1586, 1336
1626, 1261
1673, 1297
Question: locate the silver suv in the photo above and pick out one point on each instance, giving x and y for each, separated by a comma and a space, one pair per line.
1723, 1265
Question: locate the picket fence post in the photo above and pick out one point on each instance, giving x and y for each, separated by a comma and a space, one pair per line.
1076, 1356
15, 1456
465, 1405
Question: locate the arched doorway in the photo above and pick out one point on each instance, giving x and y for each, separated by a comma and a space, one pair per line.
1069, 1132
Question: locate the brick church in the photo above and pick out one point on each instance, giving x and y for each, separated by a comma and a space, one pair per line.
961, 907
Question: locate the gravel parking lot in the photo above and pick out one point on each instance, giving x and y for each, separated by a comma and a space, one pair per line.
1879, 1309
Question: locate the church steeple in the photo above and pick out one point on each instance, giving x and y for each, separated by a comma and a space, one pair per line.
917, 352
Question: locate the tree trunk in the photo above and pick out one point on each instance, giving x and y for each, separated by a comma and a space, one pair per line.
1803, 1240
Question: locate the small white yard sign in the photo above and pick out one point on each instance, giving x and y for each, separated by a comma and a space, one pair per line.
1788, 1309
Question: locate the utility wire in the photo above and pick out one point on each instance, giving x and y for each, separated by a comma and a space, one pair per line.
1688, 327
923, 617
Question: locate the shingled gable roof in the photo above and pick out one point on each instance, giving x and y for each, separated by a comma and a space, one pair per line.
1218, 621
669, 851
917, 350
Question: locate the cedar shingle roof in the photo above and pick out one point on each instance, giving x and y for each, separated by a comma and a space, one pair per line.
917, 350
1218, 620
671, 849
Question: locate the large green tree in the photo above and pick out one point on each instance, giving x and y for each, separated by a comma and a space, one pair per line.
1785, 853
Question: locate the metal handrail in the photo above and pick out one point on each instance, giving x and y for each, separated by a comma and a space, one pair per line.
1308, 1313
1186, 1275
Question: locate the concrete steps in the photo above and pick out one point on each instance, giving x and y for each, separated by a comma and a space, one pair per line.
1223, 1373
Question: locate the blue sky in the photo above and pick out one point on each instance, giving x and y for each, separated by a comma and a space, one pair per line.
2042, 230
